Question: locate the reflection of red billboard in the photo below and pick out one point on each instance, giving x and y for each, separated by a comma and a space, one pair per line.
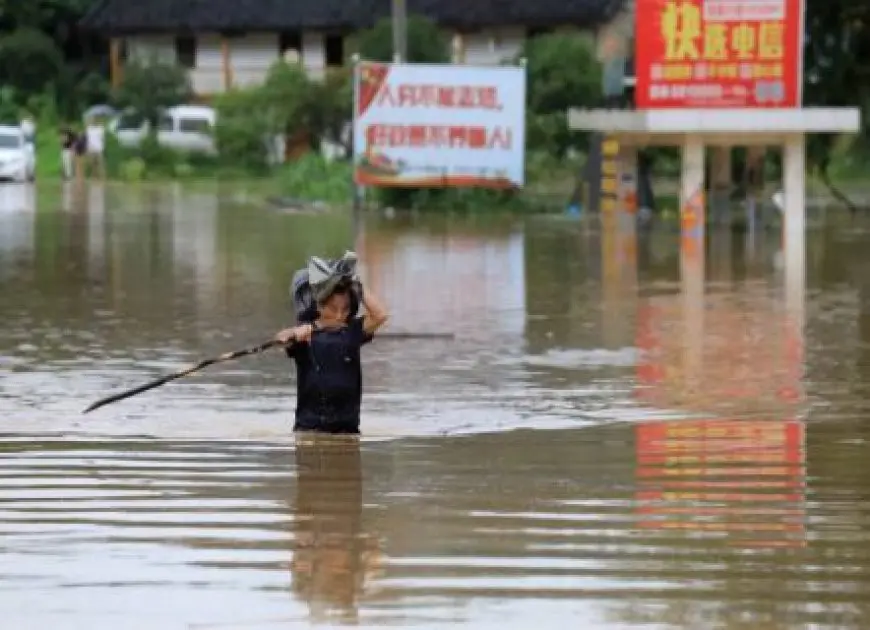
748, 360
743, 479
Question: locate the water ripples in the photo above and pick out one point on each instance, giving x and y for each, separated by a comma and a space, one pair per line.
695, 520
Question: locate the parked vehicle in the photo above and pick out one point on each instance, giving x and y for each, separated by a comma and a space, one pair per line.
17, 155
101, 111
184, 128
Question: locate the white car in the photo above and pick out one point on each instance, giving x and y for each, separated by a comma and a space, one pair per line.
17, 155
183, 127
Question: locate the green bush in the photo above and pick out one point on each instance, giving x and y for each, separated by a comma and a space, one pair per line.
10, 112
152, 85
150, 160
331, 106
240, 137
314, 179
133, 169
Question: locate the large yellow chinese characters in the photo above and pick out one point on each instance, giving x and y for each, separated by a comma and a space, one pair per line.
716, 42
681, 30
743, 41
688, 38
771, 40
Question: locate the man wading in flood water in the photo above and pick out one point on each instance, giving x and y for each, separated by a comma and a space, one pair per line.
326, 349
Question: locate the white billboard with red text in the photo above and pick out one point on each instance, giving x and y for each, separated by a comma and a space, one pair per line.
422, 125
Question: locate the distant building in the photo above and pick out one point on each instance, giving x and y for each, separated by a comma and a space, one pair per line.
227, 43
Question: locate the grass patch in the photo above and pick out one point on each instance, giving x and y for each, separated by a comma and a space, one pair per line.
48, 148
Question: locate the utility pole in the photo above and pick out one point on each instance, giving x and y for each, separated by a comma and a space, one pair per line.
400, 31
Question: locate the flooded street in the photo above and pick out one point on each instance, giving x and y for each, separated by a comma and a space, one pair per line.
616, 437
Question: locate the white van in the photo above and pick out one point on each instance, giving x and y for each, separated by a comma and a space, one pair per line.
184, 127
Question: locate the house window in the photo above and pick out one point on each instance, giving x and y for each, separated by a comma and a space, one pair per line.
334, 45
185, 51
290, 40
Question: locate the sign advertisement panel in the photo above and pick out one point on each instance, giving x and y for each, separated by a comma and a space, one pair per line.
434, 125
717, 53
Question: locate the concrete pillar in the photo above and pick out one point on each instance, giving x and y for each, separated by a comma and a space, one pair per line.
619, 242
794, 225
720, 188
609, 191
692, 200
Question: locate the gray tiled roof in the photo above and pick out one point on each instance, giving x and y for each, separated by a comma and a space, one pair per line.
270, 15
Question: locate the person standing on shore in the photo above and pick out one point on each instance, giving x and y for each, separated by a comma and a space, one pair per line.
80, 145
96, 145
67, 151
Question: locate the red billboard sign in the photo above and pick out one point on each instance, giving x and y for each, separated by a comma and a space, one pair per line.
717, 53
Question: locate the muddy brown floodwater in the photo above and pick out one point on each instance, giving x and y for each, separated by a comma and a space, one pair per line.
604, 444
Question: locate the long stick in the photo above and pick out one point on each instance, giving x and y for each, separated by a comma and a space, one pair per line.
182, 373
413, 335
229, 356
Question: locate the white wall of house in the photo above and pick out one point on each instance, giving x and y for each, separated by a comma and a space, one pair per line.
252, 55
314, 54
492, 46
143, 47
207, 76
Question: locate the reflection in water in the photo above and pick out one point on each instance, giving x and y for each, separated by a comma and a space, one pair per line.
682, 483
729, 477
17, 225
447, 275
333, 556
737, 354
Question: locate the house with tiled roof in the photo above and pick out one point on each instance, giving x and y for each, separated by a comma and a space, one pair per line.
228, 43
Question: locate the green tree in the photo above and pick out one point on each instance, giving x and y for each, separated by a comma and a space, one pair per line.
331, 107
836, 73
30, 61
426, 42
562, 72
285, 95
151, 86
287, 103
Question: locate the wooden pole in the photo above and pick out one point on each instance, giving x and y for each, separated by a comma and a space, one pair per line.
226, 63
400, 31
115, 69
